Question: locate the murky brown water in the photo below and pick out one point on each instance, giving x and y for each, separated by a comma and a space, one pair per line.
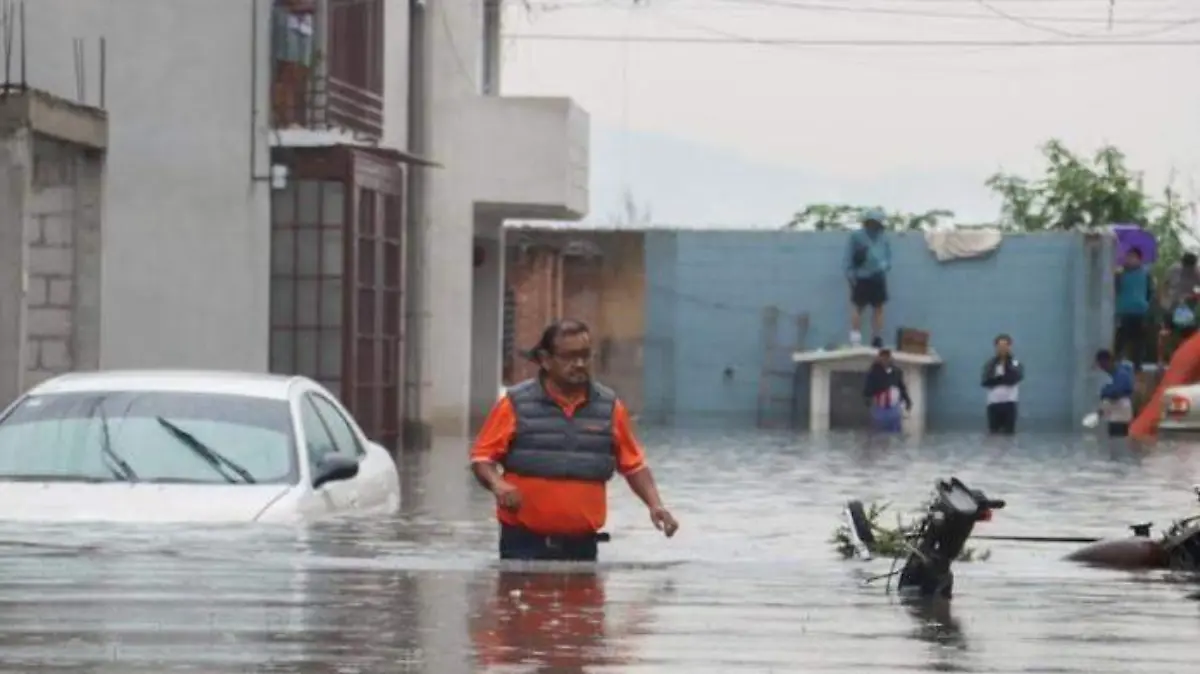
748, 585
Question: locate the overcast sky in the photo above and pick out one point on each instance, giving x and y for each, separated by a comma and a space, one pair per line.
917, 127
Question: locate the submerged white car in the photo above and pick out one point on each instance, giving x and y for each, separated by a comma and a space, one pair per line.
177, 446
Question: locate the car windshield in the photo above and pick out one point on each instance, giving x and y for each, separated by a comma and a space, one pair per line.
148, 436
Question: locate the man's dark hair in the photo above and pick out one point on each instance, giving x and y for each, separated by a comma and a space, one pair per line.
1104, 356
566, 327
1002, 337
1135, 250
1189, 259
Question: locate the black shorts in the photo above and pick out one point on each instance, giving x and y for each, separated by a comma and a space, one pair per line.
869, 291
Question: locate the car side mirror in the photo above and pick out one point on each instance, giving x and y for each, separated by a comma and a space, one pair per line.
334, 468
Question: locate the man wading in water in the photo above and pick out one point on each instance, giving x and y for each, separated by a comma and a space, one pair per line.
559, 438
885, 393
1116, 397
1001, 375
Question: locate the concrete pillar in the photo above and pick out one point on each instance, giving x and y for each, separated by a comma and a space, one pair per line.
452, 56
15, 175
487, 321
86, 345
446, 343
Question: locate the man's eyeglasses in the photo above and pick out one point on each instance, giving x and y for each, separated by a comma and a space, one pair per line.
571, 357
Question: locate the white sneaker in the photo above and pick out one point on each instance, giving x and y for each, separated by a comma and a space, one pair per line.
855, 338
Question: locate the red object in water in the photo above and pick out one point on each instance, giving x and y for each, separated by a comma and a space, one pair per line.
985, 515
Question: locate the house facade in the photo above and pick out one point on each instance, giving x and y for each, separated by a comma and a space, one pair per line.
313, 187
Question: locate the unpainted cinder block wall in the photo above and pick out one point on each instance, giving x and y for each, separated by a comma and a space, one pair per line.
707, 291
62, 232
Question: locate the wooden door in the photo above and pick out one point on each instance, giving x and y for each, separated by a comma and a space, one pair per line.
375, 321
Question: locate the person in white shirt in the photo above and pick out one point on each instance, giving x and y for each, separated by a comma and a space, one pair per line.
1002, 376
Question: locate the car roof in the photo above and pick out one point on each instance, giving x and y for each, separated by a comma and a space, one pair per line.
250, 384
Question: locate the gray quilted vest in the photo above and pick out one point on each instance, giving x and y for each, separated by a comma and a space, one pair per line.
550, 444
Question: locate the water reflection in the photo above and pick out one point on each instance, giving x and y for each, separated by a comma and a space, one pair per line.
936, 624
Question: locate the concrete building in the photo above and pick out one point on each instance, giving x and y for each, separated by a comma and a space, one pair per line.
313, 186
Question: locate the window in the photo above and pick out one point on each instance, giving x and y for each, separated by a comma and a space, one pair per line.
318, 442
64, 437
344, 437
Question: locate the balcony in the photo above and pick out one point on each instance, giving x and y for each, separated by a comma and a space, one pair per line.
327, 67
531, 156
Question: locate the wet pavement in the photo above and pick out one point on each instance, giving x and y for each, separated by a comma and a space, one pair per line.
750, 584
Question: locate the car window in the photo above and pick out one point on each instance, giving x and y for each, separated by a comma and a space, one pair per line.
343, 434
318, 442
88, 436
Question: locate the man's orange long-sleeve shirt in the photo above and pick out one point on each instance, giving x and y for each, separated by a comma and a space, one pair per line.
556, 506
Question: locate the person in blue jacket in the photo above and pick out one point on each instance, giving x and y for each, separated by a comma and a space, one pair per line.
1116, 397
867, 261
1134, 298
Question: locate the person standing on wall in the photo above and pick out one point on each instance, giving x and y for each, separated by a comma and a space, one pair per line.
885, 393
1135, 297
1001, 376
559, 438
868, 260
1116, 397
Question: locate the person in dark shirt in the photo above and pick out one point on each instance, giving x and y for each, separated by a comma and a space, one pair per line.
885, 392
1001, 376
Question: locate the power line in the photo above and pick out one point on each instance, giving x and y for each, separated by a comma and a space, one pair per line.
993, 14
806, 42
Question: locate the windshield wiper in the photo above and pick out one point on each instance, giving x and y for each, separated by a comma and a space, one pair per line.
115, 464
207, 453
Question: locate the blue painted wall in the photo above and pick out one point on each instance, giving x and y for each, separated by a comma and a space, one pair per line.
706, 292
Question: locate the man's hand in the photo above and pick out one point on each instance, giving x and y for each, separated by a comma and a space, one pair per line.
507, 495
663, 521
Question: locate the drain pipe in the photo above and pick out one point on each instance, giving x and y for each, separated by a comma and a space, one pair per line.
416, 433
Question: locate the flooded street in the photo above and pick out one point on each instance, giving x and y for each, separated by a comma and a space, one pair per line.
750, 584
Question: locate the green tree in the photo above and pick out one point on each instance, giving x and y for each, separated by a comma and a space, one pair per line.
822, 217
1076, 192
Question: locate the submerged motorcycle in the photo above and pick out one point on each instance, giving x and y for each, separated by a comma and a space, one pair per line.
1177, 549
936, 541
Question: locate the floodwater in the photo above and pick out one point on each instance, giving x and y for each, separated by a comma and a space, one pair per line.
750, 583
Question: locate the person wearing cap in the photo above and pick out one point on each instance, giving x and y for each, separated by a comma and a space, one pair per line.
867, 261
548, 448
885, 392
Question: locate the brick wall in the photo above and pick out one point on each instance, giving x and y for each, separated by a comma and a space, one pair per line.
708, 290
594, 276
51, 263
62, 273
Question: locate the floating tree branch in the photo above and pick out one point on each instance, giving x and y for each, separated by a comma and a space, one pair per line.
890, 541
